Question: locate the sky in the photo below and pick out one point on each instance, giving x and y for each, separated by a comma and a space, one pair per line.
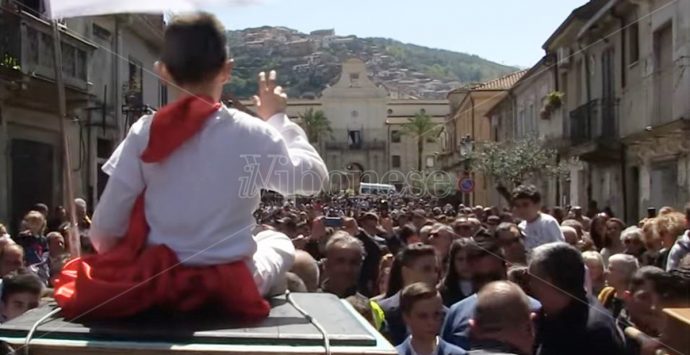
509, 32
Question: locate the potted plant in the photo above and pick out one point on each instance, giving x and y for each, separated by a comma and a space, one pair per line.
552, 101
555, 99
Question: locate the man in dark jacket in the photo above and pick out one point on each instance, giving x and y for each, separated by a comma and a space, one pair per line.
572, 322
486, 263
502, 322
372, 246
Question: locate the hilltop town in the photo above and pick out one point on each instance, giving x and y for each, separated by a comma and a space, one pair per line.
311, 62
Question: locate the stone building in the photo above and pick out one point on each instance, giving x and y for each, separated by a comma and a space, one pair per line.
467, 123
107, 63
366, 143
624, 120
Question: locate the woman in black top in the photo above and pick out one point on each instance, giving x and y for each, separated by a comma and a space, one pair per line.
456, 285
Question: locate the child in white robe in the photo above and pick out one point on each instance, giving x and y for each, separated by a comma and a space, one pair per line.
199, 200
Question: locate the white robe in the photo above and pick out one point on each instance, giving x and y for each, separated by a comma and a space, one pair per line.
199, 201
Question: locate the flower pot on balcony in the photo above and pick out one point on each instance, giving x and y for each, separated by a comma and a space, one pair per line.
555, 99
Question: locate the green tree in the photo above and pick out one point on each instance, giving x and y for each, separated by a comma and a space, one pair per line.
421, 127
512, 163
315, 124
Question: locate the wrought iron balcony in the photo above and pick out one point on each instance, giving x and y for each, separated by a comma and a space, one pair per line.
594, 121
594, 130
26, 47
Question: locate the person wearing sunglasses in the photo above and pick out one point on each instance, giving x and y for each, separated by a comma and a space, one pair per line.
512, 242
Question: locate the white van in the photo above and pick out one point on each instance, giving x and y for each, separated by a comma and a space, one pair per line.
376, 189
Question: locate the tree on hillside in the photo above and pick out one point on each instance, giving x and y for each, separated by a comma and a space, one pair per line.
421, 127
512, 163
315, 124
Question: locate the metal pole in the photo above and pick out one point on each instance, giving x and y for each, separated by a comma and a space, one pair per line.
73, 239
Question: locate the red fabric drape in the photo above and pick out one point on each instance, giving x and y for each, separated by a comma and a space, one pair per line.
133, 276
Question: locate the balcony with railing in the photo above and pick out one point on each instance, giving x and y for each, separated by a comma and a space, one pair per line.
372, 145
343, 139
594, 128
26, 48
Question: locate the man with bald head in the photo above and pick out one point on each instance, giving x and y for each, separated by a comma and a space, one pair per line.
502, 321
307, 269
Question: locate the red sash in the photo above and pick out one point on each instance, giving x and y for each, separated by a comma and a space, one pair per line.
134, 277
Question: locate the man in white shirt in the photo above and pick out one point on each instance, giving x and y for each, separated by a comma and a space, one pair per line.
539, 228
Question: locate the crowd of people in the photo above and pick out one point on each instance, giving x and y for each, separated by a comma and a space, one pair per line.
32, 257
439, 279
457, 279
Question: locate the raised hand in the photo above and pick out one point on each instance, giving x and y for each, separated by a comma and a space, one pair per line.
350, 226
271, 99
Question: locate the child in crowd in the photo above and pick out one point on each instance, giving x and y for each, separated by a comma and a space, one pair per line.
422, 310
596, 271
186, 181
32, 239
539, 228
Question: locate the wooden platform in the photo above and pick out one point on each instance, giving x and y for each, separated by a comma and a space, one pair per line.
284, 331
676, 330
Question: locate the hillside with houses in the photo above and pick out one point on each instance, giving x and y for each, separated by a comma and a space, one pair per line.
309, 63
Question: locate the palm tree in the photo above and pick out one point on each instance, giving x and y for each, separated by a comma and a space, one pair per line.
315, 124
421, 127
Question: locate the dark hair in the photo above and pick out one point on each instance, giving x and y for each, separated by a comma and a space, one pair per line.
450, 288
674, 287
506, 216
599, 240
405, 232
687, 211
195, 48
21, 281
406, 257
563, 265
414, 293
510, 227
529, 192
484, 244
607, 241
40, 207
645, 273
